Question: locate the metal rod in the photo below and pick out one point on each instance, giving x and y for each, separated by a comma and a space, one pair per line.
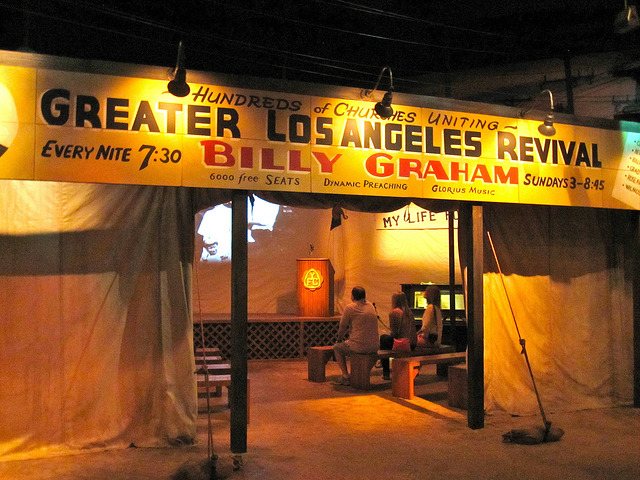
210, 447
547, 425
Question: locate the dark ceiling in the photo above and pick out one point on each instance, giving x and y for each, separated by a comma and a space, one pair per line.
330, 41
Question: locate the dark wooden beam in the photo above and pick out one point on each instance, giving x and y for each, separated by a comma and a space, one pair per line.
472, 216
239, 291
452, 280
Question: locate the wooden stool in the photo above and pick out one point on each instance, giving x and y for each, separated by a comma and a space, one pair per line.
317, 358
361, 365
457, 389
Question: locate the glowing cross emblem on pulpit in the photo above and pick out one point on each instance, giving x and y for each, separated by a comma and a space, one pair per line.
312, 279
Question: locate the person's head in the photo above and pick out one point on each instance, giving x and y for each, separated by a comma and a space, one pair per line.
432, 294
358, 294
399, 300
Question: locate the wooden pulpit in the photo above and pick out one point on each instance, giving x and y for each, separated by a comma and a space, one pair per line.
315, 287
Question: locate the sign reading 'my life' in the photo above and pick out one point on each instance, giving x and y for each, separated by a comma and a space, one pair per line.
80, 127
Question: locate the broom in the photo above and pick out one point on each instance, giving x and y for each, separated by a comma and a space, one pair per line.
535, 435
202, 470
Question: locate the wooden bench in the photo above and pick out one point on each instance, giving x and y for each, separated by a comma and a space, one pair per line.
207, 351
406, 369
210, 356
361, 363
209, 360
216, 381
215, 369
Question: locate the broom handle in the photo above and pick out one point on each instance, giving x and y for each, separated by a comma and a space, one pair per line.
208, 391
210, 450
522, 340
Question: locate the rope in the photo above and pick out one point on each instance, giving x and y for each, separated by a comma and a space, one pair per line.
522, 341
211, 454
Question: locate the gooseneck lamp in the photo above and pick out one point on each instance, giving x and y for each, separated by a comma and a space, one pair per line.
383, 108
546, 128
178, 86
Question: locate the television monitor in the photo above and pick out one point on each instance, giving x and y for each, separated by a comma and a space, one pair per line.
420, 302
445, 301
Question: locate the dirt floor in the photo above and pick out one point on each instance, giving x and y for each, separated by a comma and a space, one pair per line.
302, 430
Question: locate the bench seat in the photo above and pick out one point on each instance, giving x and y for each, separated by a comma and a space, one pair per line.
406, 369
209, 359
215, 368
214, 381
361, 363
199, 352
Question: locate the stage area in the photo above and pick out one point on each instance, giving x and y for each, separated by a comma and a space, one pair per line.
302, 430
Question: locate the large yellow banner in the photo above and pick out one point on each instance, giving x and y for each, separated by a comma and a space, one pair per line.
80, 127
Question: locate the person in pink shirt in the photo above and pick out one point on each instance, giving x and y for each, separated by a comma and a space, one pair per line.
402, 324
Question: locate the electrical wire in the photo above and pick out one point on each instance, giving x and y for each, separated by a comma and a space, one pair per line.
309, 59
173, 29
407, 18
315, 62
361, 34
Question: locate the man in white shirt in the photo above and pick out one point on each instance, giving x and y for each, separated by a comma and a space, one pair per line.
360, 321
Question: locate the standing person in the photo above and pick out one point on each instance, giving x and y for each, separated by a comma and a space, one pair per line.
360, 321
401, 325
430, 335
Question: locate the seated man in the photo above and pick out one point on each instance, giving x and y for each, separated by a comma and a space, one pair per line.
360, 321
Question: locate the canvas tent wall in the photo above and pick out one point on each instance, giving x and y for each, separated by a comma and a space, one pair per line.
96, 325
96, 329
96, 282
377, 250
569, 276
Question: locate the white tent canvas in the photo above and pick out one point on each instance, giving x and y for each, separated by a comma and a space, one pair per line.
96, 346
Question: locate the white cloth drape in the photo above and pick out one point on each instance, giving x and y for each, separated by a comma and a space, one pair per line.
95, 288
95, 330
568, 281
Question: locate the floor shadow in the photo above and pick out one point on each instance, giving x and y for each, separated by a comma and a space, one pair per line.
434, 397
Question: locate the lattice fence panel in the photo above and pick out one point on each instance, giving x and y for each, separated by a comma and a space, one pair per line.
215, 335
320, 333
274, 340
269, 340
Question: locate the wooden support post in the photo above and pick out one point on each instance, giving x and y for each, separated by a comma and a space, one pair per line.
472, 216
635, 248
453, 339
238, 390
568, 80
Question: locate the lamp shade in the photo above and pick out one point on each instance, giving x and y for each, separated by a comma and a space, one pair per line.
178, 87
383, 108
547, 129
